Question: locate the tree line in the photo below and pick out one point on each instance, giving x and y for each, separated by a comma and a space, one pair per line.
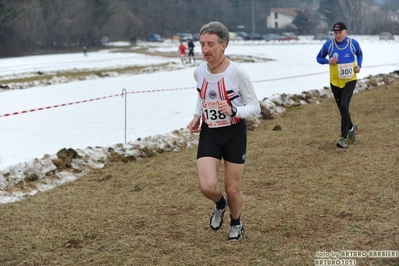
39, 26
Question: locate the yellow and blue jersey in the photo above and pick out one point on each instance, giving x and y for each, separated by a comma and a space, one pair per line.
349, 56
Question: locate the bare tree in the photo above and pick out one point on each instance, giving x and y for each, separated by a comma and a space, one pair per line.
347, 11
39, 25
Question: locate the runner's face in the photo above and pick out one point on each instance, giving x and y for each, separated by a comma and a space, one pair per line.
211, 48
340, 35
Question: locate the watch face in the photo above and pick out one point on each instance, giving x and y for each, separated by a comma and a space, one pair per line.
234, 110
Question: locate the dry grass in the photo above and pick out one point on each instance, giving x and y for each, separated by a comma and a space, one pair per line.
302, 195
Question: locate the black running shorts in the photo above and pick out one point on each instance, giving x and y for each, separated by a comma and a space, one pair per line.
229, 143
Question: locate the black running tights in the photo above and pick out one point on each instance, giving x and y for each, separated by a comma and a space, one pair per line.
342, 98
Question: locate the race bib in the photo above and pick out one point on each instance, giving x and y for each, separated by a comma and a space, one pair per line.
346, 71
213, 117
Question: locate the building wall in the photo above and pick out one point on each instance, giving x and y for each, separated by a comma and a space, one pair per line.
280, 22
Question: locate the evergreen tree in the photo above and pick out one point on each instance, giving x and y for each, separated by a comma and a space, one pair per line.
304, 23
7, 19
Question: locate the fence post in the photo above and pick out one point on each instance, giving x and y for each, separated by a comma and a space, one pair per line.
124, 93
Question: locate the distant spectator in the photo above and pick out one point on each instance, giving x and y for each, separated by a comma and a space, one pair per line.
182, 51
190, 50
133, 40
85, 51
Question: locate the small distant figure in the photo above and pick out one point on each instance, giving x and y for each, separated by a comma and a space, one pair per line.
191, 46
182, 51
133, 40
85, 51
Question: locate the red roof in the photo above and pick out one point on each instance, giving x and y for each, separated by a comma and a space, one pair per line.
291, 11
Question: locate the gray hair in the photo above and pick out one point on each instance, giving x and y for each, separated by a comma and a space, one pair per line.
215, 27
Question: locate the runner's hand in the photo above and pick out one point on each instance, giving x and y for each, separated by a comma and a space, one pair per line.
224, 108
194, 125
333, 60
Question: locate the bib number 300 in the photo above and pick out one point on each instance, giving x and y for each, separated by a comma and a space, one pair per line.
346, 71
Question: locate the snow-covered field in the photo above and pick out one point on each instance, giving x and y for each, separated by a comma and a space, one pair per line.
91, 112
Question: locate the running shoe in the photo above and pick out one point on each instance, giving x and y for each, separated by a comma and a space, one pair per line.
236, 232
216, 220
342, 143
352, 134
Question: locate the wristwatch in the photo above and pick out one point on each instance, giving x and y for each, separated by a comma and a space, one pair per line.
234, 111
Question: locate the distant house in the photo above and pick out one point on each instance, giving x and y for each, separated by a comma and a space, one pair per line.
392, 16
280, 18
372, 7
369, 7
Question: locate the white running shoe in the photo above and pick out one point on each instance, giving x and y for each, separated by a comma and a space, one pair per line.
236, 232
216, 220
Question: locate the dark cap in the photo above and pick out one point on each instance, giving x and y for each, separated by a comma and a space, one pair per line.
339, 26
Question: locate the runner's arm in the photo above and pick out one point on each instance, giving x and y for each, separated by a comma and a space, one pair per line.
251, 103
321, 56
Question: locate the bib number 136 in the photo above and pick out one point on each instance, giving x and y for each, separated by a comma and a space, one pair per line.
212, 114
214, 118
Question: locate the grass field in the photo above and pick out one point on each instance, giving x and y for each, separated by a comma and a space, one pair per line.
302, 195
